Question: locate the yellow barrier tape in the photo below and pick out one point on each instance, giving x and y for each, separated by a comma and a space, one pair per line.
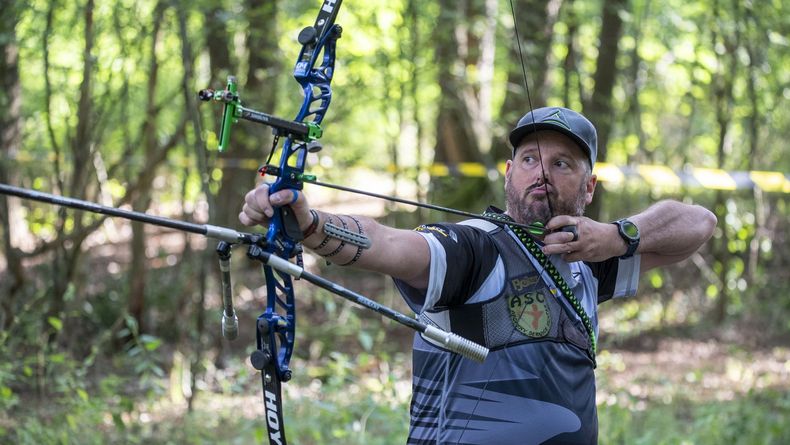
659, 176
713, 178
439, 170
608, 173
770, 181
655, 175
473, 169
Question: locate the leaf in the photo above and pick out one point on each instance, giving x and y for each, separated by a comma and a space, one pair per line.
366, 340
118, 421
150, 342
71, 290
56, 323
212, 142
72, 421
131, 323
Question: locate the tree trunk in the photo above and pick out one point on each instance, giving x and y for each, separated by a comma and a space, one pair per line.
634, 85
723, 83
412, 12
456, 139
10, 143
599, 108
217, 42
138, 269
200, 260
67, 255
81, 146
569, 64
753, 126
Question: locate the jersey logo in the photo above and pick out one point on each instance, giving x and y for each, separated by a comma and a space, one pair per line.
436, 230
530, 314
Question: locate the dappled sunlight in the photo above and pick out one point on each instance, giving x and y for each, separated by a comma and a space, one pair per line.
687, 369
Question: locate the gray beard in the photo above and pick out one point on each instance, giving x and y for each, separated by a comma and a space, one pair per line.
525, 212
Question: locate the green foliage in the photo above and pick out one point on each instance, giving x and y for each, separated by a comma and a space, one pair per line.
72, 400
352, 405
757, 418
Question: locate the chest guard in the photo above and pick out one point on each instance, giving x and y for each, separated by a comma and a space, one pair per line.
526, 308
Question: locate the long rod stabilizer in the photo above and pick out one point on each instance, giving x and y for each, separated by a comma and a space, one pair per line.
216, 232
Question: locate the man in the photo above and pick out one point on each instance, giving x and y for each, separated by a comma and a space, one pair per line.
532, 301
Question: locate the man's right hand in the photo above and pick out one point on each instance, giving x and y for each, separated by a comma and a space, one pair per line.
259, 206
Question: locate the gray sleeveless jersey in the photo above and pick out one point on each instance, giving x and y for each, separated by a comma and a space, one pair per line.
537, 384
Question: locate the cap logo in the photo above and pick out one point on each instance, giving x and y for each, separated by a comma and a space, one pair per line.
559, 119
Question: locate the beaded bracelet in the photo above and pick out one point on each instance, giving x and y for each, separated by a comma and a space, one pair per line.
313, 225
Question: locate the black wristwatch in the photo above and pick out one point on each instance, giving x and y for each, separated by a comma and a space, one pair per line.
630, 234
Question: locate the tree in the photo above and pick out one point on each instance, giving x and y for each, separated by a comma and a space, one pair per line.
10, 143
599, 108
459, 133
154, 153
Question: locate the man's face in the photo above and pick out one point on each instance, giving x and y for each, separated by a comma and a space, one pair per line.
569, 182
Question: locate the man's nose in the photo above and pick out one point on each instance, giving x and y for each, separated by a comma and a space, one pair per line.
543, 176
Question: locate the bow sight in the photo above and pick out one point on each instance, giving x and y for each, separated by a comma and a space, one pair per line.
234, 110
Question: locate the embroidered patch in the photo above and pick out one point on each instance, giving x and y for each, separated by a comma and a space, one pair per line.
530, 314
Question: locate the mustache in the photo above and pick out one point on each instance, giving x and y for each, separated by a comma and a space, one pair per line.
540, 185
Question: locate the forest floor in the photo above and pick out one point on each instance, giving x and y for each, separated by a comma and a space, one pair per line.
661, 386
661, 369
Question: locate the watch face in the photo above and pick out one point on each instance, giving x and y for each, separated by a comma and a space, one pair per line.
630, 229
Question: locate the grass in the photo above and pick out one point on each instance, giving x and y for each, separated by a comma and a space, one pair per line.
756, 418
635, 407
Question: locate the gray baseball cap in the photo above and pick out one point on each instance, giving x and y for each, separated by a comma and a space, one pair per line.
563, 120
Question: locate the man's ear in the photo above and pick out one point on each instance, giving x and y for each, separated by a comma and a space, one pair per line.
590, 188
